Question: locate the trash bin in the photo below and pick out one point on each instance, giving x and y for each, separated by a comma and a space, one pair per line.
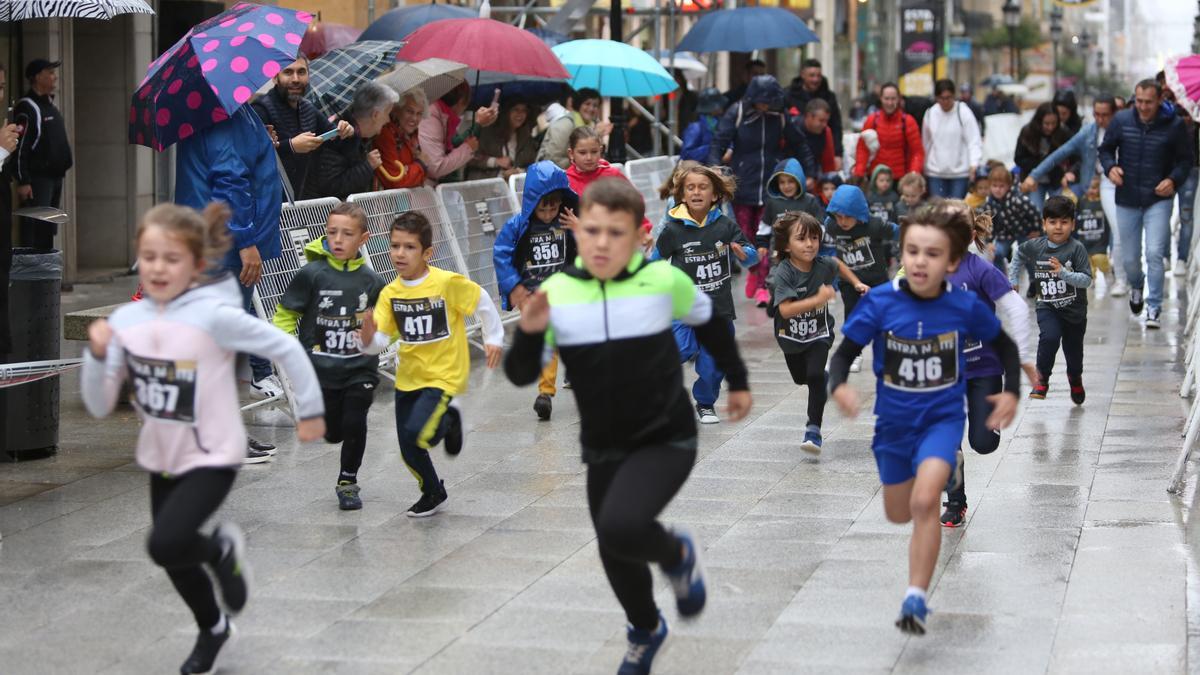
31, 410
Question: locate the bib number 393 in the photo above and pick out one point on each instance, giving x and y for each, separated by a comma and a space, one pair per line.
421, 320
162, 389
921, 365
807, 327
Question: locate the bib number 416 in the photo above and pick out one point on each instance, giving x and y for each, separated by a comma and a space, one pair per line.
921, 371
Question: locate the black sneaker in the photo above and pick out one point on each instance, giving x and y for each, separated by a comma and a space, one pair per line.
428, 504
955, 514
543, 406
453, 440
255, 456
348, 499
1135, 301
204, 654
261, 446
1077, 393
230, 569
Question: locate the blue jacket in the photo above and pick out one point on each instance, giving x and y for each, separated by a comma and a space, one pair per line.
234, 162
759, 140
1146, 153
697, 138
849, 200
541, 179
1082, 145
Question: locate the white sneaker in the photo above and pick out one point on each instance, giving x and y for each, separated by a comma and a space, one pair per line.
268, 387
857, 365
707, 414
1180, 268
1119, 288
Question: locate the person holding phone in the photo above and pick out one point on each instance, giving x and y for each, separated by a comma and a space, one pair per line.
347, 166
507, 147
437, 133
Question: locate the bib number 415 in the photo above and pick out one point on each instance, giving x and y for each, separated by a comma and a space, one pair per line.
708, 271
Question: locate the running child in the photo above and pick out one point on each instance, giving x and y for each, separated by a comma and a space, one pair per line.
424, 309
785, 192
178, 349
533, 245
825, 189
1092, 228
699, 240
920, 326
324, 306
881, 194
637, 432
1014, 217
801, 285
1060, 272
912, 194
586, 152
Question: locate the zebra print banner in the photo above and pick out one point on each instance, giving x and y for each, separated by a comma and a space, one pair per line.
20, 10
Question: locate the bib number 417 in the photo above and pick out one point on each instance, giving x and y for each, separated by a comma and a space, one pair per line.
418, 326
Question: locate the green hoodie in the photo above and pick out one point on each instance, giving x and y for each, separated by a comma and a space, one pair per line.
324, 306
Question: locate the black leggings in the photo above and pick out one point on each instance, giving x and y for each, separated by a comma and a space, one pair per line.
179, 506
982, 439
346, 423
625, 498
808, 367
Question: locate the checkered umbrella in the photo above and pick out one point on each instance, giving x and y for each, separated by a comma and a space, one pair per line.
335, 77
434, 76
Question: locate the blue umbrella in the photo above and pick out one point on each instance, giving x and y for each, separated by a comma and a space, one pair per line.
400, 22
613, 68
746, 29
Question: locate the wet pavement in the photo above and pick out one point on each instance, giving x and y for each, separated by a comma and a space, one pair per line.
1074, 558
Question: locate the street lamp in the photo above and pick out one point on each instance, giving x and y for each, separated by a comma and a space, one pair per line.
1085, 42
1012, 20
1056, 30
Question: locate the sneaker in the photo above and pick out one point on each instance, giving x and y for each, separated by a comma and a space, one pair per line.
955, 481
204, 654
856, 366
912, 615
812, 440
707, 414
428, 504
266, 388
1119, 288
762, 297
261, 446
348, 499
256, 456
231, 570
1152, 318
1077, 392
1039, 391
955, 513
453, 440
687, 579
643, 645
1135, 301
543, 406
1181, 268
566, 383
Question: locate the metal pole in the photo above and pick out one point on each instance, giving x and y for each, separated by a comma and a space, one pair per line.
675, 100
1054, 84
656, 139
616, 140
1012, 53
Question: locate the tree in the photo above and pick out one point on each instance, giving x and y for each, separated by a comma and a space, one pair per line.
1027, 36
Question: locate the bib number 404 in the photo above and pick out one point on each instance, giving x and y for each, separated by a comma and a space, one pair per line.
921, 371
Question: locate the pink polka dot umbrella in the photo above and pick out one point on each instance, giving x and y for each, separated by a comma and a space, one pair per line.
212, 71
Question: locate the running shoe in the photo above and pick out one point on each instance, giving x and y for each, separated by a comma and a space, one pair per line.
707, 414
266, 388
1077, 393
1135, 301
762, 297
751, 285
543, 405
1119, 288
1039, 390
204, 654
955, 482
643, 645
348, 499
453, 440
231, 569
567, 382
1180, 268
812, 440
856, 365
912, 615
428, 504
687, 579
1152, 317
256, 456
261, 446
955, 513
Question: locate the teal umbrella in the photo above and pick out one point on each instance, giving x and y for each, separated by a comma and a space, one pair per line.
613, 68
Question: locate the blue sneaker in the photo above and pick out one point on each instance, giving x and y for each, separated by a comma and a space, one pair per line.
812, 440
687, 579
912, 615
643, 645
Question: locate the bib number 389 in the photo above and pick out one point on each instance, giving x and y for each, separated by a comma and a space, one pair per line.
163, 389
921, 365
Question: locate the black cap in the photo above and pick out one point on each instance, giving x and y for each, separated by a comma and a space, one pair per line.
38, 65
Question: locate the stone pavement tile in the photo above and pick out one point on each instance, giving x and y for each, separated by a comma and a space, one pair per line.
315, 582
26, 513
1078, 631
1099, 658
554, 518
789, 528
1009, 513
546, 627
482, 571
1106, 513
680, 655
834, 647
873, 606
768, 668
296, 666
460, 658
765, 554
811, 505
129, 547
291, 617
300, 535
96, 488
1019, 540
565, 590
531, 544
725, 617
707, 487
402, 644
747, 584
713, 509
885, 546
415, 602
740, 468
818, 480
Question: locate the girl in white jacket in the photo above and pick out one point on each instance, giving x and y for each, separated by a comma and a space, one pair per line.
178, 348
953, 145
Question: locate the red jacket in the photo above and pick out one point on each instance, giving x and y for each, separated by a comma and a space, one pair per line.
828, 158
580, 181
900, 145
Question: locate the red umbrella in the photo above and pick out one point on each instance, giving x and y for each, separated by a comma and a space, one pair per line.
484, 44
324, 37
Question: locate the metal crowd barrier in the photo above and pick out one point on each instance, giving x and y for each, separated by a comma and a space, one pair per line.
647, 175
476, 211
1192, 361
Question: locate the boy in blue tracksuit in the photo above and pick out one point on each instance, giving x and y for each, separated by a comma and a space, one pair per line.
531, 246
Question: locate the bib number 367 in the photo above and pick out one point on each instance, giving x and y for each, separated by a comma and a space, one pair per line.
163, 389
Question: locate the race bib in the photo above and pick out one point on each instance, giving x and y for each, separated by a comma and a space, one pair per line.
856, 253
547, 250
338, 336
807, 327
1049, 287
922, 365
421, 320
165, 390
1091, 228
880, 210
709, 269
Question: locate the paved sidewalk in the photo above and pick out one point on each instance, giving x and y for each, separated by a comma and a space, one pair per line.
1074, 558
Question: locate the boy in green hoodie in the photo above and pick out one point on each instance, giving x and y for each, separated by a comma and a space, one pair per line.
882, 195
324, 305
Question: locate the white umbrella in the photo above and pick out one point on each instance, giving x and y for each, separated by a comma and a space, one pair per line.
685, 61
20, 10
435, 77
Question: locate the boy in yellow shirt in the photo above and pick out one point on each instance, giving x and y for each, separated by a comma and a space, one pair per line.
424, 309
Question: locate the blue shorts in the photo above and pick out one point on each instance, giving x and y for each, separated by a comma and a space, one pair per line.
900, 449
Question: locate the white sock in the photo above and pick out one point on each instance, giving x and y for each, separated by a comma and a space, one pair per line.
222, 624
913, 591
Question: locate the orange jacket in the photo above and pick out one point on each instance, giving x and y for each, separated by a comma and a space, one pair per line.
400, 168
